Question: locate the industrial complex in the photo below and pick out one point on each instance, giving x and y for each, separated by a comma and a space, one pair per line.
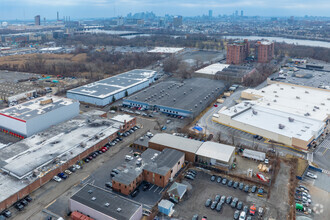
106, 91
285, 113
183, 98
33, 116
34, 161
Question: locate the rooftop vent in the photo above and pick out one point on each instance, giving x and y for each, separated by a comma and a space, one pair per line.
292, 87
291, 119
190, 89
235, 110
316, 107
93, 198
274, 91
184, 93
174, 100
306, 92
274, 100
280, 126
276, 96
90, 191
297, 97
281, 88
263, 91
322, 103
119, 210
307, 114
268, 103
254, 112
107, 204
196, 106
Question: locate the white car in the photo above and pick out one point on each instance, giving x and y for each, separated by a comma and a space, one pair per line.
242, 216
68, 172
128, 157
57, 179
77, 166
311, 175
266, 161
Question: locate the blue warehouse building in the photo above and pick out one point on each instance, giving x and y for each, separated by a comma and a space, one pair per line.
178, 97
102, 92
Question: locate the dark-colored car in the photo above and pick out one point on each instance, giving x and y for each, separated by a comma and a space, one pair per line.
228, 200
246, 188
217, 198
112, 174
72, 169
116, 171
249, 218
193, 171
62, 175
6, 213
235, 185
236, 215
86, 160
90, 157
219, 179
253, 189
94, 155
28, 198
24, 202
224, 181
191, 174
246, 209
108, 184
230, 183
241, 186
255, 136
19, 206
234, 202
239, 205
219, 207
195, 217
146, 186
135, 192
214, 204
212, 178
189, 177
208, 202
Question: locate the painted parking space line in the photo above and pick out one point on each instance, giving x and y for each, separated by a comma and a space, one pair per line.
50, 203
151, 187
156, 189
161, 191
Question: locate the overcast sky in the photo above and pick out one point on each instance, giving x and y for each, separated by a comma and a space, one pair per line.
27, 9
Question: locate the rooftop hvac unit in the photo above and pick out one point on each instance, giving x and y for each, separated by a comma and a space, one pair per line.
263, 91
254, 112
306, 92
119, 210
174, 100
297, 97
190, 89
274, 91
196, 106
291, 119
316, 107
307, 114
280, 126
281, 88
276, 96
292, 87
274, 100
107, 204
268, 103
322, 103
184, 93
93, 198
235, 110
90, 191
245, 104
200, 102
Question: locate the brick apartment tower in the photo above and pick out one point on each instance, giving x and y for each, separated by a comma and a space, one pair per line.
264, 51
237, 52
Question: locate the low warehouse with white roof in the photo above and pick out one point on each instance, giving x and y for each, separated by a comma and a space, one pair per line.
113, 88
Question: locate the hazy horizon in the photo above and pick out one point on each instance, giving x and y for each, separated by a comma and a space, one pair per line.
27, 9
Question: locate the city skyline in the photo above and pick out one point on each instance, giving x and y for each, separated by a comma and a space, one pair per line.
27, 9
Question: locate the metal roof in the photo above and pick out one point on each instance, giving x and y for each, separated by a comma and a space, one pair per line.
218, 151
176, 142
117, 207
257, 155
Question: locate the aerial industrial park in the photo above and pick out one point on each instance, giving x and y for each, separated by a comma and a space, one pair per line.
165, 117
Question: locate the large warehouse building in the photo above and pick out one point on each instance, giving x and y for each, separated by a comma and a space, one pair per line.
184, 98
34, 161
33, 116
116, 87
293, 115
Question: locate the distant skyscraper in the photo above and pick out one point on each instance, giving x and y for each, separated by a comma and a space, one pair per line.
177, 21
58, 16
236, 13
210, 13
37, 20
242, 13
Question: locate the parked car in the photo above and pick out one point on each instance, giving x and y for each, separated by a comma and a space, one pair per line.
236, 214
112, 174
224, 181
108, 184
241, 186
242, 216
6, 213
19, 206
259, 138
212, 178
208, 202
235, 185
77, 166
253, 189
57, 179
228, 200
146, 186
213, 205
239, 205
195, 217
189, 177
72, 169
116, 171
68, 172
246, 209
62, 175
246, 188
255, 136
193, 171
24, 202
219, 179
28, 198
219, 207
217, 198
223, 199
230, 183
135, 192
129, 158
234, 202
311, 175
86, 160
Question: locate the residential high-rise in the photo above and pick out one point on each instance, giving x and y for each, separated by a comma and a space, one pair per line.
177, 21
210, 13
237, 52
242, 13
264, 51
37, 20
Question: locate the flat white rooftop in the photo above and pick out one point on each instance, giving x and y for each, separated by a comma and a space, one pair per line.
33, 108
295, 100
112, 85
269, 119
166, 50
212, 69
122, 118
221, 152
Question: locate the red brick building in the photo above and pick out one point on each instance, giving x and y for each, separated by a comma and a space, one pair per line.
264, 51
237, 52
